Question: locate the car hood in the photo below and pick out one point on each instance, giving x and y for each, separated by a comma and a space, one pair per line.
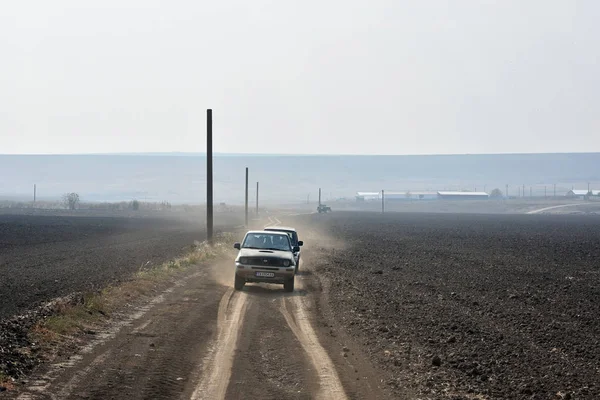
265, 253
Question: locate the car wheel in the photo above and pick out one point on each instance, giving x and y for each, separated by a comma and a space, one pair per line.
239, 283
288, 286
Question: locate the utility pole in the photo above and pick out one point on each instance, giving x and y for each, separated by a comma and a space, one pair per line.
34, 192
382, 201
209, 177
256, 198
246, 202
319, 196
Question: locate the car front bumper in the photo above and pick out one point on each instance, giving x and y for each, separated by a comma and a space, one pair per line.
254, 273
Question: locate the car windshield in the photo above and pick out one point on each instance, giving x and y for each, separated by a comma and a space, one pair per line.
293, 235
267, 241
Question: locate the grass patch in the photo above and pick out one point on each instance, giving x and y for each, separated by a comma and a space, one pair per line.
3, 379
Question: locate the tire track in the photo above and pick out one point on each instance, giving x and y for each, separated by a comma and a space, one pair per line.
216, 371
541, 210
330, 386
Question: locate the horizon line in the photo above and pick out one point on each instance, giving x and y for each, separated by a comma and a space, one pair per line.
188, 154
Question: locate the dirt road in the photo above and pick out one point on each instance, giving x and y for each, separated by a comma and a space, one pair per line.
203, 340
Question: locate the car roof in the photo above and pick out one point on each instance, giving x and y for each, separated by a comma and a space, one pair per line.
263, 232
280, 228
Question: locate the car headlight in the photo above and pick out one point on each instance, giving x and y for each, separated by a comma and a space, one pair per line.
286, 263
243, 260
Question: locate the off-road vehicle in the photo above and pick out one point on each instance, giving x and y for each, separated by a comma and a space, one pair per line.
291, 232
322, 208
265, 257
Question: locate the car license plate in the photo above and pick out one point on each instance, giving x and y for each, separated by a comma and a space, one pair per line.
265, 274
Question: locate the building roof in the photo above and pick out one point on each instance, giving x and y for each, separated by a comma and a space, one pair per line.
390, 193
444, 193
368, 193
396, 193
578, 192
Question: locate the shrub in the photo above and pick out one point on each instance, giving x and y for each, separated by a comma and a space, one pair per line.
496, 193
71, 200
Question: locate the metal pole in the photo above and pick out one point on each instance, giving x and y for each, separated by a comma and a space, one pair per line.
256, 198
382, 201
209, 177
319, 196
246, 202
34, 192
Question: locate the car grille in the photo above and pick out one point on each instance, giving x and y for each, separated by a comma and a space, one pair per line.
265, 261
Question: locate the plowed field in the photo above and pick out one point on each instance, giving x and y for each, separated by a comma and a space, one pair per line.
470, 306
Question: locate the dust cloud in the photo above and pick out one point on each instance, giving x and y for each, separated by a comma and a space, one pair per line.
222, 270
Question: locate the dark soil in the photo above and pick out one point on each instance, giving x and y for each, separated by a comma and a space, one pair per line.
470, 306
43, 257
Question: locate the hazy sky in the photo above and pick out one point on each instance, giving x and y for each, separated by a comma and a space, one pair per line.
310, 76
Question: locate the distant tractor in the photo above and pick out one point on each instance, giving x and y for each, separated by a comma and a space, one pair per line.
322, 208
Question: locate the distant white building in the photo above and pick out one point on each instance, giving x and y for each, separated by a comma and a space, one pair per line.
392, 195
368, 196
576, 193
447, 195
395, 195
421, 195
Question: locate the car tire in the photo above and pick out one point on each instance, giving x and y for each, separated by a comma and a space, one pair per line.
239, 283
288, 286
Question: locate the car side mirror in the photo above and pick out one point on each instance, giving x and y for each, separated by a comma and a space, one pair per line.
236, 246
300, 243
296, 248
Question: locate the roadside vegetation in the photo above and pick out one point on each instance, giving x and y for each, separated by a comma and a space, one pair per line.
66, 322
96, 307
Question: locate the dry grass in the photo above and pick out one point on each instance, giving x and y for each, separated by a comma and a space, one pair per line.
5, 381
94, 309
